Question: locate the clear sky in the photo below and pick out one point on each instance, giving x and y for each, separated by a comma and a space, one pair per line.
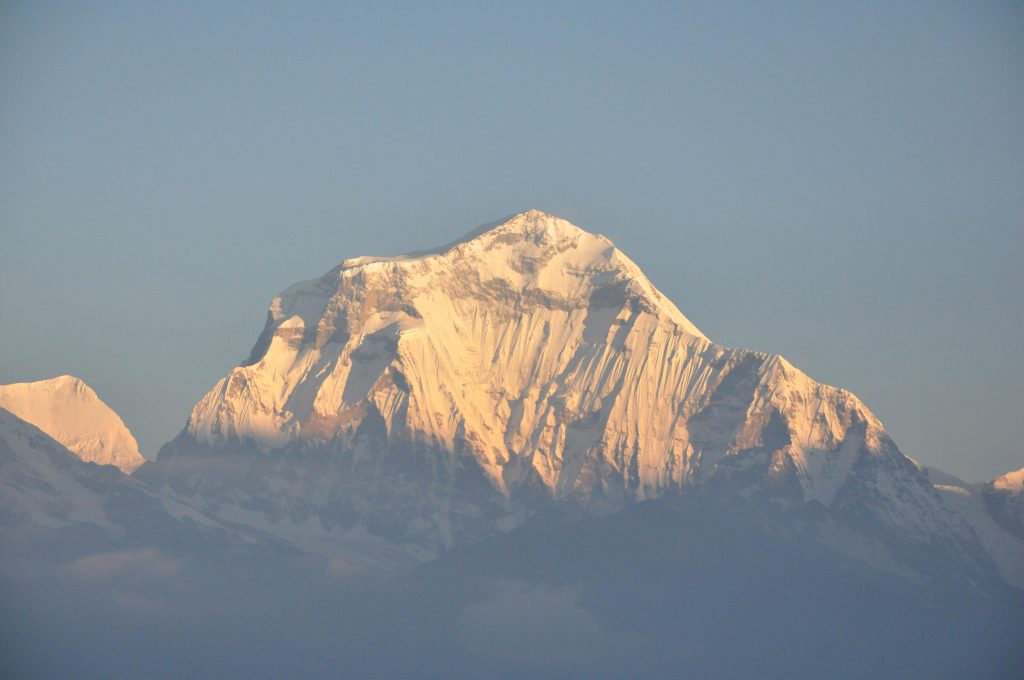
843, 185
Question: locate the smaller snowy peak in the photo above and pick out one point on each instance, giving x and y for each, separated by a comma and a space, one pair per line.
72, 413
1011, 482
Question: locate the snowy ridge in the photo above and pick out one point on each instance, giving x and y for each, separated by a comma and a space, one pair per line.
70, 411
447, 394
995, 511
46, 485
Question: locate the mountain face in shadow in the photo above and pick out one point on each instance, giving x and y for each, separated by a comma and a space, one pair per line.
663, 589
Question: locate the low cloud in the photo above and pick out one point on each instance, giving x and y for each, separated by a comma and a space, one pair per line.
532, 624
140, 563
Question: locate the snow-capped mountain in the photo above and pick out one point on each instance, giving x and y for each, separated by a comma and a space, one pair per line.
70, 411
452, 393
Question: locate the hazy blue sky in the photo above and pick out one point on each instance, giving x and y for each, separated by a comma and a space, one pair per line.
842, 185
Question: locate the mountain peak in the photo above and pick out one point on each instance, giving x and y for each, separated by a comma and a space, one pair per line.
71, 412
531, 255
1012, 482
533, 226
537, 223
531, 223
70, 383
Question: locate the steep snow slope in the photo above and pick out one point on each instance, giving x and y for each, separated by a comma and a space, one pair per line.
447, 394
70, 411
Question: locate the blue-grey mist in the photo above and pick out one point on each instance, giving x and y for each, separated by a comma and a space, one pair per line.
843, 185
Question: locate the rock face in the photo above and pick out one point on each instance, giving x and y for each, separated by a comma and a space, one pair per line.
449, 394
70, 411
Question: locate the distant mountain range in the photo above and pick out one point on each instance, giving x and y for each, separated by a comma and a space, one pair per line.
524, 382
